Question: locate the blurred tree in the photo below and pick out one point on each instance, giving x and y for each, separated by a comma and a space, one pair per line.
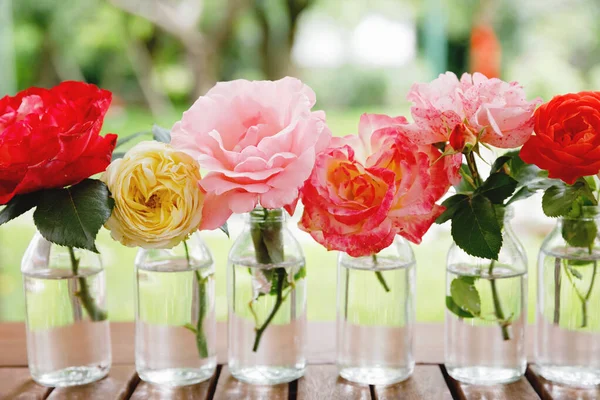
8, 81
278, 34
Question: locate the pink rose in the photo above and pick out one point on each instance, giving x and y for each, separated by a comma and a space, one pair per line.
366, 189
258, 140
497, 109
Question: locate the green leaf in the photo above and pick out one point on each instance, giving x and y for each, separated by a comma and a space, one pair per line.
497, 187
475, 228
521, 194
466, 184
530, 178
500, 161
579, 262
465, 295
301, 273
161, 134
73, 216
452, 204
455, 309
574, 272
500, 211
225, 229
18, 206
563, 200
579, 233
129, 138
591, 181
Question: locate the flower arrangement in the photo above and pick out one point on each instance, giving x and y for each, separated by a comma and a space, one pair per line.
366, 189
461, 117
51, 145
259, 141
565, 145
158, 205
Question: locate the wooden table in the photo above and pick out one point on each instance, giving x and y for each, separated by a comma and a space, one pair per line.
429, 381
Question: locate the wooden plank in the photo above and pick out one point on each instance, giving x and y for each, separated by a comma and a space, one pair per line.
117, 385
323, 382
521, 390
16, 383
229, 388
427, 382
200, 391
548, 390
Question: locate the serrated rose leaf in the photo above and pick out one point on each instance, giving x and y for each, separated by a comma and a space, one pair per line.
73, 216
475, 228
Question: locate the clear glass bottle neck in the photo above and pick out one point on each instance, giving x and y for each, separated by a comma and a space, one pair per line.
262, 215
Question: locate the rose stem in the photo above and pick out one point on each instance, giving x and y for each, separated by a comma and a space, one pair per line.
589, 293
471, 163
497, 306
84, 295
557, 291
379, 275
473, 168
280, 278
263, 256
200, 339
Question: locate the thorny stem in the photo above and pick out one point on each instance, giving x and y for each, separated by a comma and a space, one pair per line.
379, 275
497, 306
473, 168
84, 295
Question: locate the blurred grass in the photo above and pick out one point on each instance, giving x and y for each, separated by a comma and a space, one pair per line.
321, 265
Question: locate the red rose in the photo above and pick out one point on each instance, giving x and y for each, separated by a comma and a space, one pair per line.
566, 142
51, 138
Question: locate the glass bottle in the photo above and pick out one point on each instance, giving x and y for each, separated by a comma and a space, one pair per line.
266, 291
175, 330
567, 341
68, 337
486, 313
376, 315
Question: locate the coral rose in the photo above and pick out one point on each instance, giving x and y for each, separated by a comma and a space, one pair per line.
368, 188
493, 108
158, 201
259, 141
50, 138
566, 142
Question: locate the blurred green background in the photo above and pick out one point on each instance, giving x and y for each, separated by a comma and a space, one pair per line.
158, 56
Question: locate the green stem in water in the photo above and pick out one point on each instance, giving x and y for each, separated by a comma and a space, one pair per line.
201, 343
267, 236
557, 279
472, 164
497, 306
589, 293
84, 294
279, 300
379, 275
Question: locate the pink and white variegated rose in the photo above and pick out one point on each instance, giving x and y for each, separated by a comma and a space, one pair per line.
258, 140
365, 189
496, 110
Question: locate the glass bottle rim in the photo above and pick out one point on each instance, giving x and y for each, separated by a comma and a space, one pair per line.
260, 214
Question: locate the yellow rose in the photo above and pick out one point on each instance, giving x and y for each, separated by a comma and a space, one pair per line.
158, 201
